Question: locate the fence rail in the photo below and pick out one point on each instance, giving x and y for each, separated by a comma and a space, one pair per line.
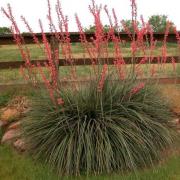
75, 37
84, 61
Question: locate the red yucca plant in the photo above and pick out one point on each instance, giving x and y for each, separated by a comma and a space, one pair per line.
112, 122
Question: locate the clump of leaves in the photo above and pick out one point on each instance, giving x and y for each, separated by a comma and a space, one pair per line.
99, 132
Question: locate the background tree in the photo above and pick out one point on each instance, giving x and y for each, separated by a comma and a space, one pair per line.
93, 28
5, 30
129, 25
159, 23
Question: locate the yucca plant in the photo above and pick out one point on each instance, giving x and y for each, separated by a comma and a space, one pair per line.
99, 132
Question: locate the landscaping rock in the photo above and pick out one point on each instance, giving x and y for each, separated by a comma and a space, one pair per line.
20, 103
10, 135
19, 145
15, 109
9, 114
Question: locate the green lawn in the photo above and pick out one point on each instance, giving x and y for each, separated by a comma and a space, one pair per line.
11, 52
14, 166
12, 76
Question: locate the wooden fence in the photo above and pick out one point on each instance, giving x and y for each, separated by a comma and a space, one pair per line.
75, 37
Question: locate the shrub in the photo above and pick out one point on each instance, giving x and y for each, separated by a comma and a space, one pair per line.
99, 132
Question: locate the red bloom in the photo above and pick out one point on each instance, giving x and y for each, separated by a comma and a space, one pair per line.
60, 101
136, 89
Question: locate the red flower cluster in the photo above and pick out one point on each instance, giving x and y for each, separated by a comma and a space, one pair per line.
136, 89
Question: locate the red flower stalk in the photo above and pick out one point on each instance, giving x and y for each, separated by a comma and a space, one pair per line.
164, 47
120, 69
24, 54
53, 68
24, 74
115, 20
173, 61
119, 61
108, 15
136, 89
140, 39
84, 41
17, 35
133, 10
142, 61
103, 76
61, 16
168, 25
65, 35
60, 101
133, 48
47, 84
142, 21
99, 32
31, 31
10, 16
49, 16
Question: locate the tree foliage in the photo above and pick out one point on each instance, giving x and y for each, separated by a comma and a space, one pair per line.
5, 30
159, 23
129, 25
92, 28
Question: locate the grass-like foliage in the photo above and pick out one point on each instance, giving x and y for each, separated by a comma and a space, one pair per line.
99, 132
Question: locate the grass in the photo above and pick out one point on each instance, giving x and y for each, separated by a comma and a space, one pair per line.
11, 52
5, 96
14, 166
10, 76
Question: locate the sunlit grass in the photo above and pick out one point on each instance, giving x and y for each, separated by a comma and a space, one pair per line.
14, 166
11, 52
13, 75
